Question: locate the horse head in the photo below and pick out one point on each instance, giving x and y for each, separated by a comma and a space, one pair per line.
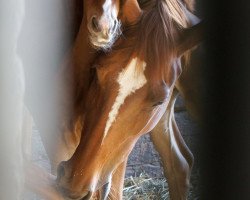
128, 95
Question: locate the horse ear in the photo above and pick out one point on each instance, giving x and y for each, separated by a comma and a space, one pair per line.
190, 37
130, 12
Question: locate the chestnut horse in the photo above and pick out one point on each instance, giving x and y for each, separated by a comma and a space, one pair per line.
98, 29
95, 26
130, 91
60, 135
95, 31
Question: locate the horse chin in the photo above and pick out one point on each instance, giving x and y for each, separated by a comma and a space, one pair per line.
84, 196
100, 43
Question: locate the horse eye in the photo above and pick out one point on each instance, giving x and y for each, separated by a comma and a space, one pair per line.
158, 103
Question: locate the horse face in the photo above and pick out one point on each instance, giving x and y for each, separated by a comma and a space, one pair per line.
102, 22
122, 105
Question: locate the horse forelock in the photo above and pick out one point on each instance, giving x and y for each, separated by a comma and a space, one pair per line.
159, 28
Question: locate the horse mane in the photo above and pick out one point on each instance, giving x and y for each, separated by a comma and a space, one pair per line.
154, 37
158, 31
190, 4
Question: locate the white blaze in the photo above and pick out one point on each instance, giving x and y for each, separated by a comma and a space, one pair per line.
130, 79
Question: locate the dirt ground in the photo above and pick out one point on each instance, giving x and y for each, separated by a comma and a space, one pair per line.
143, 159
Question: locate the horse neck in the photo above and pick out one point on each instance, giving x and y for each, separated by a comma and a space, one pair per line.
79, 65
83, 53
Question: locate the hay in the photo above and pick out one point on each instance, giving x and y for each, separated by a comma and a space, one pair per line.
146, 188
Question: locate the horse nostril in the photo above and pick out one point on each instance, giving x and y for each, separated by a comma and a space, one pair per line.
86, 195
95, 25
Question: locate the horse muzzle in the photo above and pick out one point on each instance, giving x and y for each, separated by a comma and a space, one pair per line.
77, 186
68, 195
103, 31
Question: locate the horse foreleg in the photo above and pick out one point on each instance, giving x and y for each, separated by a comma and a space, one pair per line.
117, 182
181, 144
175, 155
114, 189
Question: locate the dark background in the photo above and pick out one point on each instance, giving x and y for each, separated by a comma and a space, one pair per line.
225, 170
